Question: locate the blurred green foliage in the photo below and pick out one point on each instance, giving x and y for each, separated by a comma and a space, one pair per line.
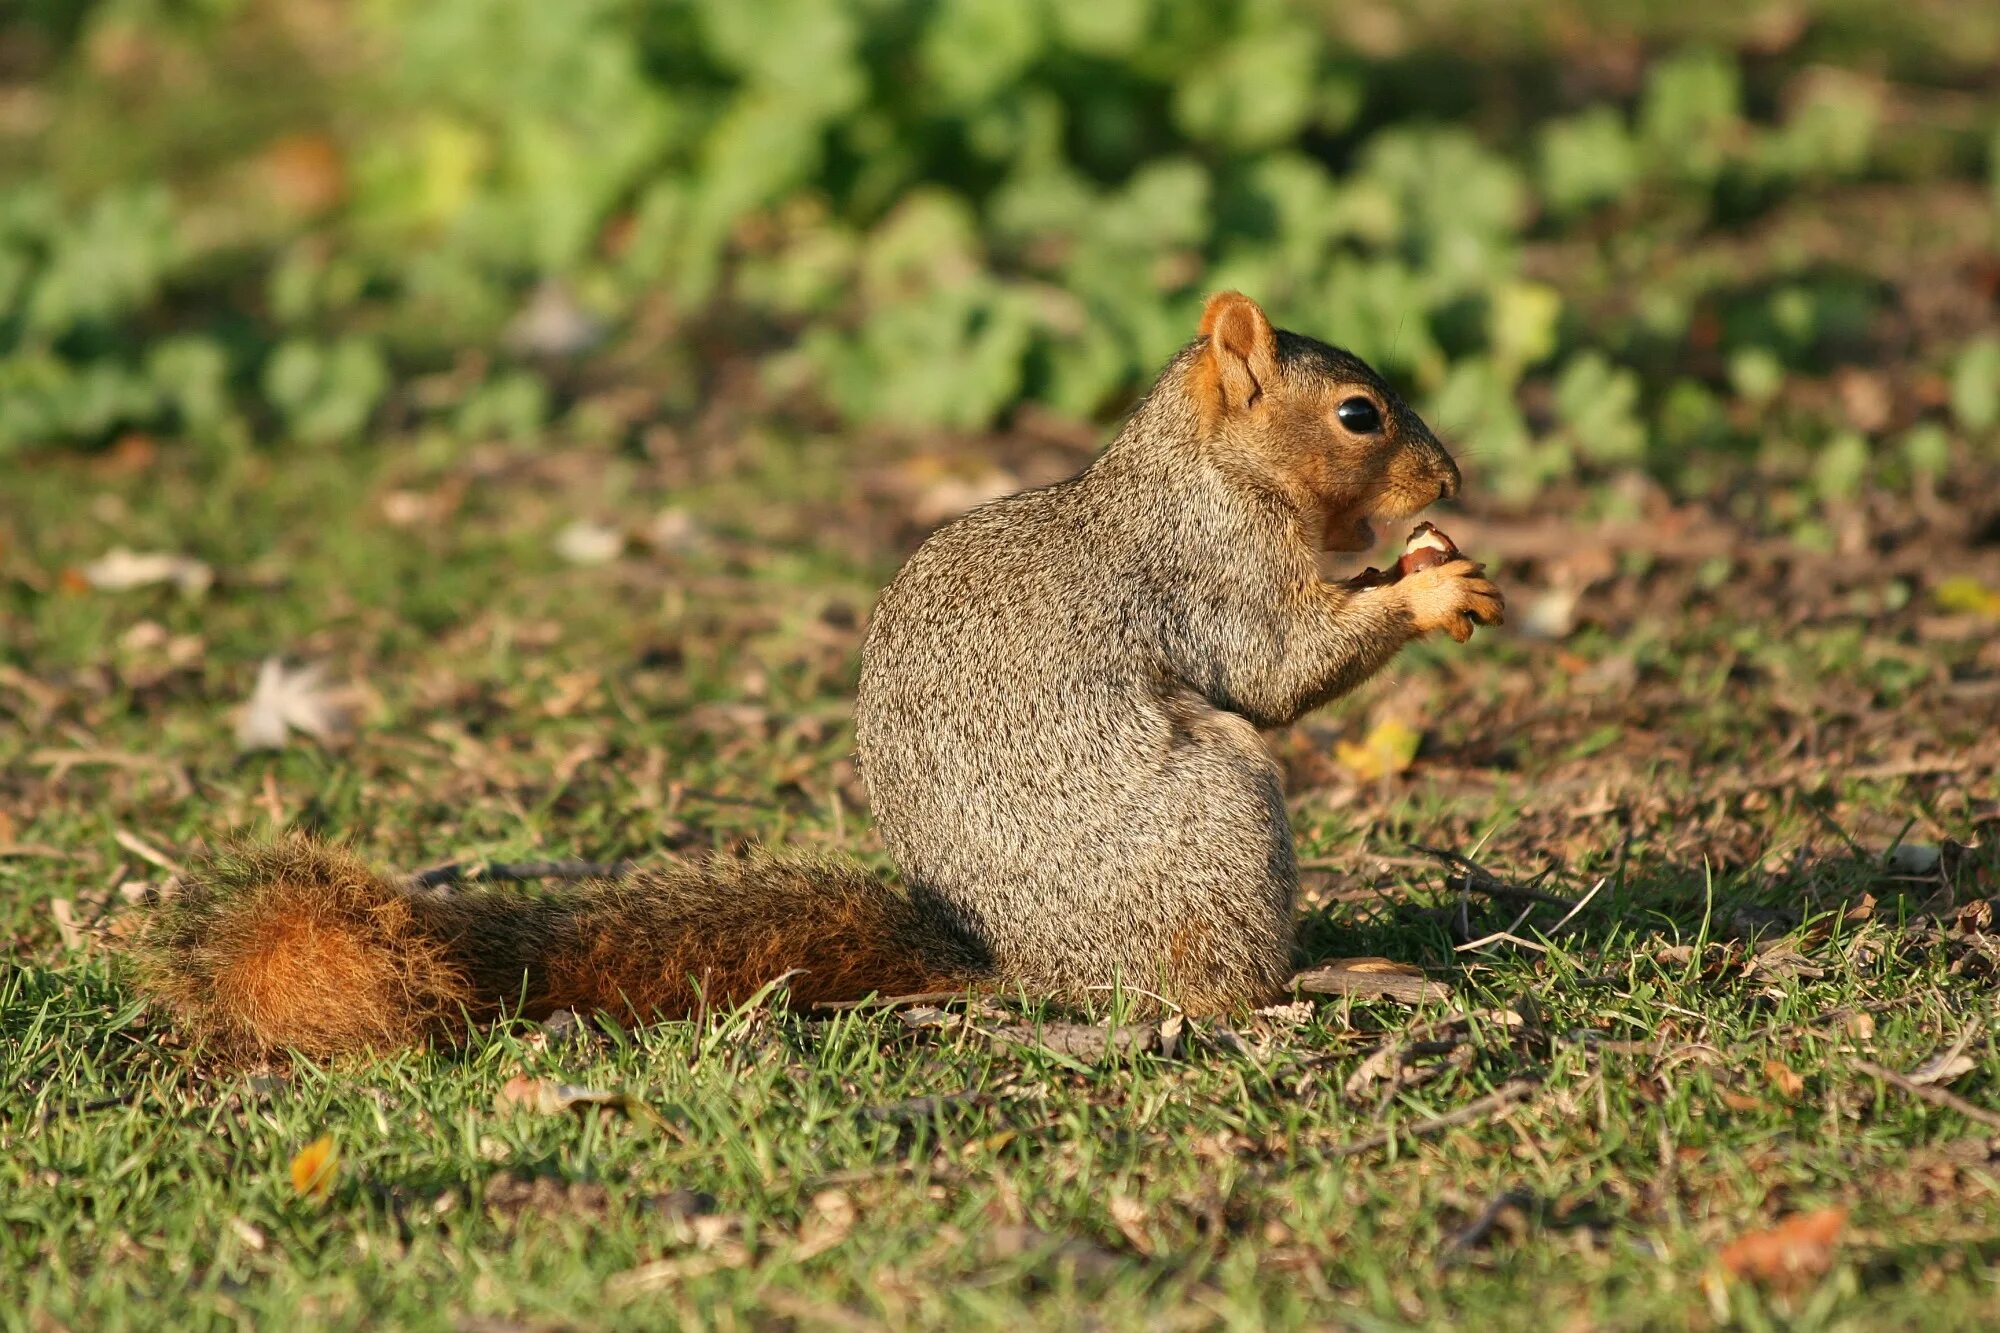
233, 221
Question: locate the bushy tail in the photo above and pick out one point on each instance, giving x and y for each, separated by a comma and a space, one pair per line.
300, 946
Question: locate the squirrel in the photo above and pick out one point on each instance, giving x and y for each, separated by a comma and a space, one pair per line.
1057, 723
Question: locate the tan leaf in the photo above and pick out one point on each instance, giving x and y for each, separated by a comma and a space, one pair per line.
1736, 1101
1788, 1084
287, 700
543, 1096
119, 570
1793, 1253
587, 543
832, 1216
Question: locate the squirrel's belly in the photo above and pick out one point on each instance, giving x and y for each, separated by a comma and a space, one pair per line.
1147, 846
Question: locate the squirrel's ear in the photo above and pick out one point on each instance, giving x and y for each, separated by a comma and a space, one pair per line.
1241, 361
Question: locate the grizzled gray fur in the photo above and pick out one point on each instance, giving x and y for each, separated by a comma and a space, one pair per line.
1061, 692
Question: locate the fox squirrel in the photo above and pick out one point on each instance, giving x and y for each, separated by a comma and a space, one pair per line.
1058, 723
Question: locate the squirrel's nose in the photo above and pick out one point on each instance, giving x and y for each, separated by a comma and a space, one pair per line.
1448, 478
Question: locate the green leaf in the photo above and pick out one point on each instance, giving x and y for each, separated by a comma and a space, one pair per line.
1598, 405
1975, 384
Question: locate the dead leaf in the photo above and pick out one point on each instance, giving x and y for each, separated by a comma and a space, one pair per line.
119, 570
1791, 1254
1381, 1063
1083, 1041
1788, 1083
831, 1217
659, 1273
553, 323
512, 1195
315, 1167
939, 487
64, 912
1081, 1257
1946, 1065
1740, 1103
1389, 748
587, 543
543, 1096
285, 701
1130, 1217
1962, 594
305, 173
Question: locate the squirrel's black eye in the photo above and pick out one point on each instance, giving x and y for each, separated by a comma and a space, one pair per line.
1360, 416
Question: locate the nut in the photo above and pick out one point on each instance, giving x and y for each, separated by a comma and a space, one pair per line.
1426, 547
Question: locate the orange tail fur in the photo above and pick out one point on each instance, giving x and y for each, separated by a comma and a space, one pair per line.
300, 946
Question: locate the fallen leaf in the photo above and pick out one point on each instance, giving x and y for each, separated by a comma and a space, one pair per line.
64, 912
511, 1195
1131, 1218
305, 173
1389, 748
315, 1167
1381, 1063
1551, 614
552, 323
659, 1273
587, 543
832, 1216
1084, 1041
1913, 858
119, 570
1738, 1102
1964, 594
1788, 1083
1791, 1254
547, 1097
1946, 1065
1084, 1259
285, 701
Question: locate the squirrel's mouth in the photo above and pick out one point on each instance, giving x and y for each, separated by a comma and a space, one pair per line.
1350, 533
1353, 531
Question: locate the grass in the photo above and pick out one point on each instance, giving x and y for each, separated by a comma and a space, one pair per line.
1734, 767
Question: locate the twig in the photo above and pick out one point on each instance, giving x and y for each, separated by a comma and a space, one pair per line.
1931, 1093
889, 1001
145, 851
1475, 1231
49, 1113
1501, 937
1502, 1097
1581, 903
1401, 986
1477, 878
514, 872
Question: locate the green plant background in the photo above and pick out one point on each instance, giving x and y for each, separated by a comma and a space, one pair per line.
1570, 229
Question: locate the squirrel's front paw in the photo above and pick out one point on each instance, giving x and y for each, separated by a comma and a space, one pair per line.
1452, 597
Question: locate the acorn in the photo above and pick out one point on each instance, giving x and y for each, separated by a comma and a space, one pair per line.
1426, 547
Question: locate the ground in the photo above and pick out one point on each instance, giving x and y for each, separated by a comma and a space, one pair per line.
1772, 772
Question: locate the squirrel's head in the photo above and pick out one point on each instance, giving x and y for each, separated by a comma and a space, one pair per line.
1320, 420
